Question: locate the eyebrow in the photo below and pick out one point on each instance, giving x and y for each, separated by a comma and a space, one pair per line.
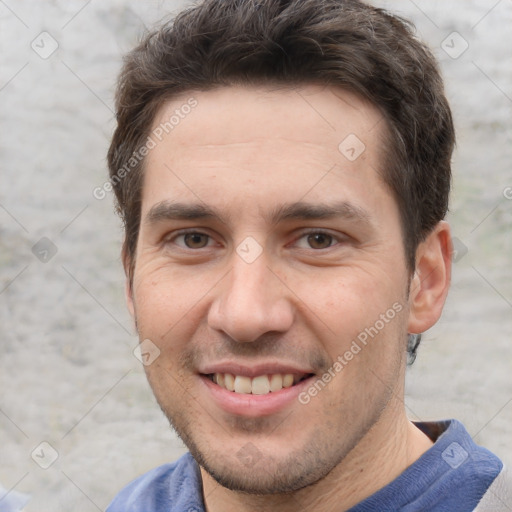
312, 211
169, 210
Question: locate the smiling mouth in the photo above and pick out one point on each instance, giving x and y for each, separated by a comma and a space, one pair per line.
259, 385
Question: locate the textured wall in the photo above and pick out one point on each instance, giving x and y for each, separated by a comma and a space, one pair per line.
67, 373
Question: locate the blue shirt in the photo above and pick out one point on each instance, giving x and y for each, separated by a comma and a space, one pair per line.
452, 476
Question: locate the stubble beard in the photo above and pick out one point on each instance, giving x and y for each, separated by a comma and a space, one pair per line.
265, 475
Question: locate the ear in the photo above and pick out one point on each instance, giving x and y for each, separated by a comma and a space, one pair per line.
128, 290
431, 280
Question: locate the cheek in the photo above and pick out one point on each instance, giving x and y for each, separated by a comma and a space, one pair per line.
367, 359
367, 325
165, 301
348, 301
169, 314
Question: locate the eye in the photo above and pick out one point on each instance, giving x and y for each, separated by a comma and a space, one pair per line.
192, 240
316, 240
319, 240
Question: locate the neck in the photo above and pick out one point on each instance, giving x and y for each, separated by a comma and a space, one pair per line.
390, 446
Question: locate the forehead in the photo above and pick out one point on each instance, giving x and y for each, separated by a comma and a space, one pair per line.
271, 143
240, 113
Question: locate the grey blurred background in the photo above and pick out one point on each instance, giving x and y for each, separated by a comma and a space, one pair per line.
68, 376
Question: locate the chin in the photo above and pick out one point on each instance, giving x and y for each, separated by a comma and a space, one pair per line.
264, 477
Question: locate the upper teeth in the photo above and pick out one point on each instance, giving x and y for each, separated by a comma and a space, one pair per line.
260, 385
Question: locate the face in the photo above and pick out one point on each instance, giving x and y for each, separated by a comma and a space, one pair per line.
270, 273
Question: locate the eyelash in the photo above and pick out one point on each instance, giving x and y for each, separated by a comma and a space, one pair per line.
182, 233
335, 238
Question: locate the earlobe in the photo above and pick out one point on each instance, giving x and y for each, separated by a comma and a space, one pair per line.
431, 280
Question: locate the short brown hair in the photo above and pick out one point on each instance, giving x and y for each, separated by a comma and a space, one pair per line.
343, 43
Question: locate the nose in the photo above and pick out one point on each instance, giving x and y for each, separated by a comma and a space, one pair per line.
252, 301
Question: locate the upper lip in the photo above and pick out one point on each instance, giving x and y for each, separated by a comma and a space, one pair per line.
254, 370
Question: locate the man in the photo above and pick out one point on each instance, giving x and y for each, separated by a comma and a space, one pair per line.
283, 170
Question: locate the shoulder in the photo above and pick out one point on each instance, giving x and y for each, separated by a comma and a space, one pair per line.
174, 486
454, 475
461, 471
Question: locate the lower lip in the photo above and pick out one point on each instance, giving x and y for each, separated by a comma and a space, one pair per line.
254, 405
